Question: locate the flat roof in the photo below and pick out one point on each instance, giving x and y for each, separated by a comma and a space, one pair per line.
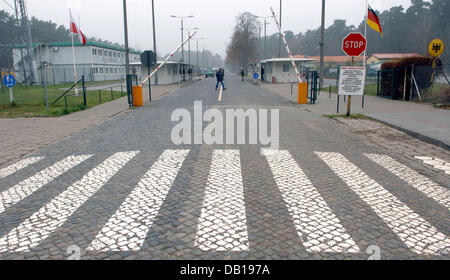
160, 61
285, 59
78, 44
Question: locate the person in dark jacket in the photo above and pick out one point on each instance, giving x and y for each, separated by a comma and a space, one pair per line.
262, 73
242, 74
220, 77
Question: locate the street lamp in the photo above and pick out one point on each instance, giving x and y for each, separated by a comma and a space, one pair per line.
182, 37
279, 37
154, 38
202, 38
265, 35
189, 43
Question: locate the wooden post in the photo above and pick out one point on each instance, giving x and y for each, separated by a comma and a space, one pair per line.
349, 102
404, 83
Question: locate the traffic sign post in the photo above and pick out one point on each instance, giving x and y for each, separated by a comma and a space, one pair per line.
354, 44
435, 49
10, 81
148, 59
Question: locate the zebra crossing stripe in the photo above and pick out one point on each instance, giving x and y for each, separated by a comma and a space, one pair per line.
436, 163
222, 223
412, 229
53, 215
28, 186
432, 190
319, 229
127, 228
4, 172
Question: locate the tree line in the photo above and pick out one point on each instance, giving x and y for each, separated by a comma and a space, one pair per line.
404, 31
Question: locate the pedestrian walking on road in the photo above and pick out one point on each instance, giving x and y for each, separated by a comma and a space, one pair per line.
262, 74
220, 77
242, 74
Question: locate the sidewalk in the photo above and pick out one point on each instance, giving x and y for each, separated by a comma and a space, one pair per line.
420, 120
20, 136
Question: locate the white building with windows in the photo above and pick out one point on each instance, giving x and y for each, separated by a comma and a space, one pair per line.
279, 70
95, 61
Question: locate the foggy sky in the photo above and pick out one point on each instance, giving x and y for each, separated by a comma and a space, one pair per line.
214, 18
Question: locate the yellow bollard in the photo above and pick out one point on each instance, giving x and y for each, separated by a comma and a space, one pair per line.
302, 97
138, 99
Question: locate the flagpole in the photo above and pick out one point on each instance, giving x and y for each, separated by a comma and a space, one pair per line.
74, 66
365, 31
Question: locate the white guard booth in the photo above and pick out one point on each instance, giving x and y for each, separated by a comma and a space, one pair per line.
170, 73
279, 70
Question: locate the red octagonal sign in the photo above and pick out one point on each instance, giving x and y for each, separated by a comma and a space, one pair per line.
354, 44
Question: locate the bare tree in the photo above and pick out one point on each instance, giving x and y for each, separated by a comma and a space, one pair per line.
243, 47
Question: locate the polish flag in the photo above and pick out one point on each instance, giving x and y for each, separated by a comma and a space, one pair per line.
75, 30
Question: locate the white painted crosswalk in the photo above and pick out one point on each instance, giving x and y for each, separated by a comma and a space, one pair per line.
25, 188
50, 217
437, 163
222, 224
4, 172
414, 179
128, 227
412, 229
317, 226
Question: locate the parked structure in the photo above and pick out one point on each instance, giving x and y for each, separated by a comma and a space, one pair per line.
97, 62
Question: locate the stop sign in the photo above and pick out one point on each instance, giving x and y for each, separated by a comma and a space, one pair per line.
354, 44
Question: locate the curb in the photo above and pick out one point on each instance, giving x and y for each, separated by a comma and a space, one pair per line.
415, 134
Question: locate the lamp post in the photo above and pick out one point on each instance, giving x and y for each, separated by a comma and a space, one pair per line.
189, 43
182, 36
198, 64
154, 38
265, 35
322, 37
279, 37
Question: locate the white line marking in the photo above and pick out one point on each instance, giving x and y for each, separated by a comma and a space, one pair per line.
412, 229
436, 163
222, 223
220, 93
53, 215
413, 178
28, 186
318, 228
127, 228
6, 171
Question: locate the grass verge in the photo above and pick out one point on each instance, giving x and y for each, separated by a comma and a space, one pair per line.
30, 101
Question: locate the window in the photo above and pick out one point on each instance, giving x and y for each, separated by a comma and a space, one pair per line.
114, 54
285, 68
106, 70
110, 53
99, 52
94, 51
101, 70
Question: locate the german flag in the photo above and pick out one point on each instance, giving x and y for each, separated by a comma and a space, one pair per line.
373, 21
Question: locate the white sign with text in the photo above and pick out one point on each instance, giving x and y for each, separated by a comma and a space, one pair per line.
352, 80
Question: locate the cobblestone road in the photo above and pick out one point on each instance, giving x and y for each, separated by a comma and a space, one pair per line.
123, 190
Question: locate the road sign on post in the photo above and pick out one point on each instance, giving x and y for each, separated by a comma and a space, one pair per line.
148, 59
354, 44
436, 47
10, 81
